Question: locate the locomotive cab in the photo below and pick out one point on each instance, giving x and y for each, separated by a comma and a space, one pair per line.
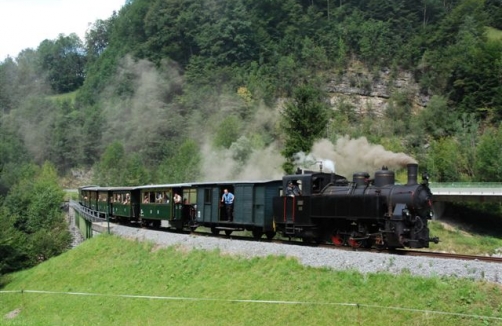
311, 183
292, 208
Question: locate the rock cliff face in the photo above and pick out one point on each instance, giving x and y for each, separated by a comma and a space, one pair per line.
365, 91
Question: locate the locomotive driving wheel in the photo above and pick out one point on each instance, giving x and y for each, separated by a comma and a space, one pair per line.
338, 240
356, 243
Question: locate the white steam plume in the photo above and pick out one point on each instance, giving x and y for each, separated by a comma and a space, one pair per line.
351, 155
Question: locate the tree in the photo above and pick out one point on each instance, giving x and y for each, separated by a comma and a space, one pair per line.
227, 132
437, 119
39, 228
7, 75
184, 166
495, 8
63, 60
13, 249
111, 168
304, 120
241, 149
445, 161
97, 37
65, 137
135, 171
399, 112
489, 156
476, 71
13, 155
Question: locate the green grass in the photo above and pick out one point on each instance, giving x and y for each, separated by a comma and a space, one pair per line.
110, 266
494, 34
459, 238
64, 97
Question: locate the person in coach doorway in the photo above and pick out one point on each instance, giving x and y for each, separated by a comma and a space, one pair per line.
228, 200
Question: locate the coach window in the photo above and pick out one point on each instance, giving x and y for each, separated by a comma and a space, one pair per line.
165, 197
190, 195
126, 198
159, 197
146, 198
207, 196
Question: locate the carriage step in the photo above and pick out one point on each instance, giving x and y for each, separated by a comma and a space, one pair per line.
228, 228
289, 229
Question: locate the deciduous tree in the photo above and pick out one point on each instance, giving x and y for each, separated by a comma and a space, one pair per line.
63, 60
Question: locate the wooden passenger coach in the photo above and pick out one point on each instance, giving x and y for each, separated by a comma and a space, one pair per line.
159, 206
252, 209
200, 205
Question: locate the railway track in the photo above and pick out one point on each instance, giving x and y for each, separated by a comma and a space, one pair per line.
399, 252
445, 255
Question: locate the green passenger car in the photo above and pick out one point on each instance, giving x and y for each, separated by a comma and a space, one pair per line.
252, 208
124, 203
170, 206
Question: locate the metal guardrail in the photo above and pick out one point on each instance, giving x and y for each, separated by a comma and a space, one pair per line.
88, 214
467, 191
434, 185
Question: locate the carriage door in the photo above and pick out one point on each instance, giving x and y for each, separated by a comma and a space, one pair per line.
216, 207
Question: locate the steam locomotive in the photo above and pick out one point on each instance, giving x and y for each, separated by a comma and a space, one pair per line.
326, 207
363, 213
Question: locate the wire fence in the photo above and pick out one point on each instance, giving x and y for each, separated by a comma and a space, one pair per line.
490, 185
246, 301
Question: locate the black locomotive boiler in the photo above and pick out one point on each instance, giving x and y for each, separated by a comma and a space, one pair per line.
364, 212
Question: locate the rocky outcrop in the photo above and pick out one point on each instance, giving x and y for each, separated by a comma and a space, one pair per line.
366, 91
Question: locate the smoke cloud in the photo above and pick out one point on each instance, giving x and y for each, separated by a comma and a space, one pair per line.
262, 164
345, 157
351, 155
150, 117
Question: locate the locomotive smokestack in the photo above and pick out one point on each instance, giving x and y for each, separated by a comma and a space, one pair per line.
412, 174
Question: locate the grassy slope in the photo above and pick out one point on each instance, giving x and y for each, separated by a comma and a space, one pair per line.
460, 238
112, 266
65, 97
493, 33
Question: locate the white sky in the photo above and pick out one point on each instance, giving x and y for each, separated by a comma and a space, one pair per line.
26, 23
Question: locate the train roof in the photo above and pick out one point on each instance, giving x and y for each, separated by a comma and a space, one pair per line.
171, 185
206, 183
98, 188
88, 186
178, 185
236, 182
313, 174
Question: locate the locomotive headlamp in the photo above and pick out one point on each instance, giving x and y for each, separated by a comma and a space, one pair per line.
406, 212
425, 178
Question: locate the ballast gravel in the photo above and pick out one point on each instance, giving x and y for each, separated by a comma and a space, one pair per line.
362, 262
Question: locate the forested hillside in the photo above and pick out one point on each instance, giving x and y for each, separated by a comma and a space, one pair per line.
181, 90
168, 90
